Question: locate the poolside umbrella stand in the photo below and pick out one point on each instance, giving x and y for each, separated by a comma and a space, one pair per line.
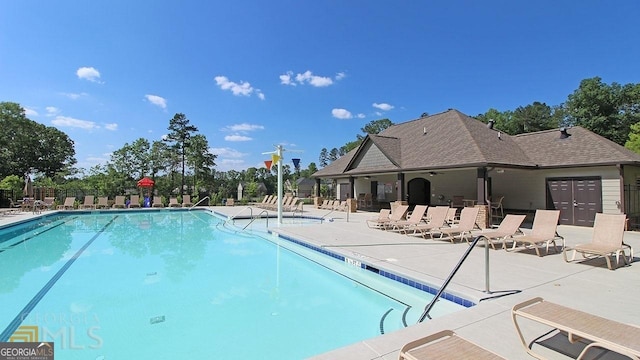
145, 182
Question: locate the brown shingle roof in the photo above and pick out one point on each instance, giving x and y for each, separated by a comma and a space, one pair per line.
452, 140
582, 148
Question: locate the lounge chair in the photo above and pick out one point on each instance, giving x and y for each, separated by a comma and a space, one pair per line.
608, 234
452, 216
89, 202
173, 202
380, 221
509, 226
397, 214
543, 232
324, 203
134, 201
445, 344
48, 202
119, 202
467, 223
436, 220
103, 202
415, 218
598, 331
157, 202
69, 203
186, 201
293, 204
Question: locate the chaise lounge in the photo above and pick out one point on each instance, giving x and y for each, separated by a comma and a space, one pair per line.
543, 232
445, 344
598, 331
608, 235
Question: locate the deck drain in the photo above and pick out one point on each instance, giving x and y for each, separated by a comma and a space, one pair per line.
156, 319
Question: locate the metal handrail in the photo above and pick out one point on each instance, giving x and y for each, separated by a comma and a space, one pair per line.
428, 308
199, 201
241, 210
257, 216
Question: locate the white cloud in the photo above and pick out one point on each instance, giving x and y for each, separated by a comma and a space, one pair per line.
243, 127
112, 126
74, 96
341, 75
52, 110
361, 116
30, 112
307, 77
227, 152
285, 79
314, 80
157, 100
341, 113
237, 137
241, 89
383, 106
65, 121
88, 73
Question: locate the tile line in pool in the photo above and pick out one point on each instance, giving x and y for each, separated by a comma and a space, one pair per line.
13, 325
36, 235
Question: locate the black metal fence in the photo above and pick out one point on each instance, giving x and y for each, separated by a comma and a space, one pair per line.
632, 205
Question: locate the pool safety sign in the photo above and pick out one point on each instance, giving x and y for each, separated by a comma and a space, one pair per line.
26, 350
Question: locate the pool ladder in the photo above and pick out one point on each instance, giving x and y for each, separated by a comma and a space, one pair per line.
199, 201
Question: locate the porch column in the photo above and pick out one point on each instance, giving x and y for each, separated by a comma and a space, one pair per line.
400, 190
317, 190
482, 185
352, 187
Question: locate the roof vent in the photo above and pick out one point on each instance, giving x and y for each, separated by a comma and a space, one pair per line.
563, 133
424, 130
490, 123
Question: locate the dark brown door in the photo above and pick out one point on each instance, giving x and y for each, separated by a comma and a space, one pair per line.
588, 201
578, 199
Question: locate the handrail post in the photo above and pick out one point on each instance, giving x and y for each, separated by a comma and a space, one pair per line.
486, 265
430, 306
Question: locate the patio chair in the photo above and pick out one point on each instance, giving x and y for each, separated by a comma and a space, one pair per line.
543, 232
157, 202
452, 217
397, 214
436, 220
607, 241
380, 221
48, 202
103, 202
599, 332
508, 227
415, 218
69, 203
89, 202
173, 202
293, 204
496, 207
445, 344
468, 218
119, 202
186, 201
134, 201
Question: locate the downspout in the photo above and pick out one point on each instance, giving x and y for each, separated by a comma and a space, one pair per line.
621, 203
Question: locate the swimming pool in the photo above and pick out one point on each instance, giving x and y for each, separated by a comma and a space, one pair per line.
183, 284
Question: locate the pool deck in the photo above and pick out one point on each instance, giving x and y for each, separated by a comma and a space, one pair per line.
514, 277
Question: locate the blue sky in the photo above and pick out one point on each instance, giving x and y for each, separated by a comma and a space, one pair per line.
305, 74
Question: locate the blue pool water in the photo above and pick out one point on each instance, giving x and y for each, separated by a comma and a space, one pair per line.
184, 284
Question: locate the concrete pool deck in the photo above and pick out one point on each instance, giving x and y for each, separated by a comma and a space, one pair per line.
514, 277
